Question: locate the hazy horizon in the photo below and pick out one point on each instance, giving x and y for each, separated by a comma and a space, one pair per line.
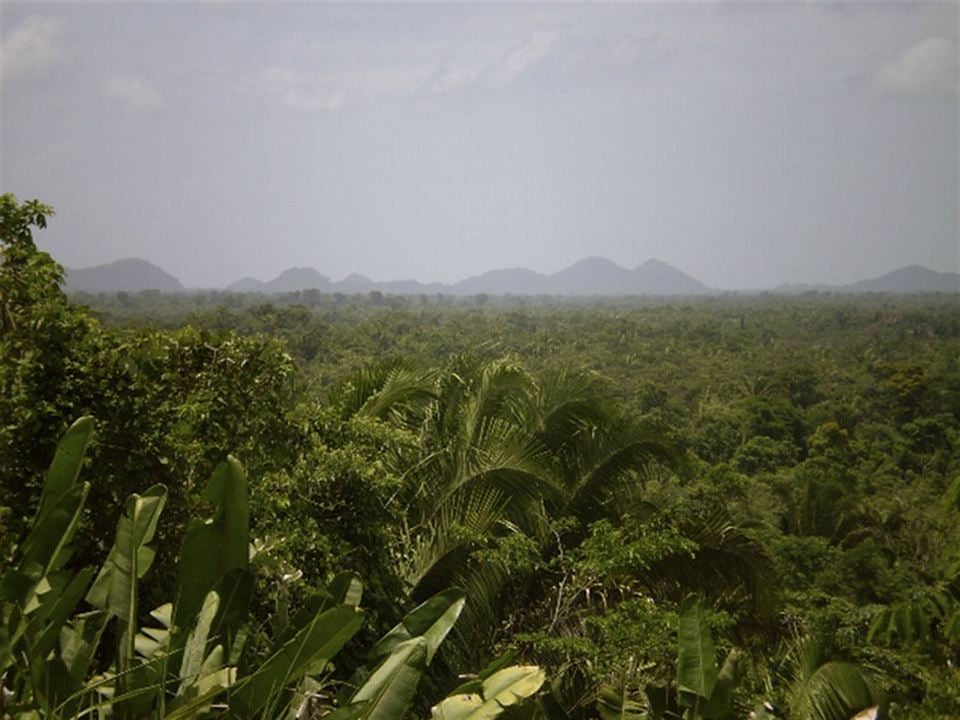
748, 145
455, 281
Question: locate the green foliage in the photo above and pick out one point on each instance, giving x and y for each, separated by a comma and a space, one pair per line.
489, 696
696, 665
578, 469
183, 666
39, 337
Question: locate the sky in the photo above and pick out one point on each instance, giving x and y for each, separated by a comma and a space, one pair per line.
747, 144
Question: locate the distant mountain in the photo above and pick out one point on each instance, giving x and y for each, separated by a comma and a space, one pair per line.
593, 276
130, 275
292, 280
247, 284
590, 276
353, 284
655, 277
911, 279
514, 281
412, 287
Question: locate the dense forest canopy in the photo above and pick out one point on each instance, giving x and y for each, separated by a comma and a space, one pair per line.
697, 508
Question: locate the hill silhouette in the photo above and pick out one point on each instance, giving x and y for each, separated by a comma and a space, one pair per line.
130, 275
592, 276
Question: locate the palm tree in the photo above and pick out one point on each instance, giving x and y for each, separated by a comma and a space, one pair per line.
820, 687
509, 457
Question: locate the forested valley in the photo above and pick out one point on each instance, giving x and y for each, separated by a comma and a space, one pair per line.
308, 506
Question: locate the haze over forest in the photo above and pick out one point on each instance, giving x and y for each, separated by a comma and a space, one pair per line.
483, 360
592, 276
751, 144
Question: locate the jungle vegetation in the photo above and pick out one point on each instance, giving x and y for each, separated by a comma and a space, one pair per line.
424, 507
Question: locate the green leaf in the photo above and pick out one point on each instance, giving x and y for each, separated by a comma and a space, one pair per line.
151, 641
213, 548
432, 620
45, 628
65, 468
235, 590
346, 589
47, 546
79, 641
619, 703
350, 712
473, 685
720, 704
320, 639
195, 706
696, 662
116, 587
195, 648
389, 690
836, 689
501, 690
826, 689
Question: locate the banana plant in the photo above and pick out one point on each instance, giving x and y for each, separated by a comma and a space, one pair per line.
704, 690
489, 696
38, 594
184, 663
401, 657
185, 659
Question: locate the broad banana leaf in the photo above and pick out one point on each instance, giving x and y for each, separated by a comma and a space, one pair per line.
67, 461
696, 662
720, 704
215, 558
476, 683
501, 690
213, 548
620, 703
44, 551
195, 648
51, 682
44, 628
320, 639
344, 589
431, 620
235, 590
47, 546
154, 640
79, 640
116, 587
388, 692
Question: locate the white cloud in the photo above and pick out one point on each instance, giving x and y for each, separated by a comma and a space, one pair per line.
134, 94
32, 46
452, 75
330, 90
522, 58
926, 68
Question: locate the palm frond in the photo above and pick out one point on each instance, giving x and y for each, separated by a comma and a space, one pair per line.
825, 688
383, 389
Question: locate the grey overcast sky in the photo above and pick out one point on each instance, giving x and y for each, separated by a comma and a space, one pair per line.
749, 144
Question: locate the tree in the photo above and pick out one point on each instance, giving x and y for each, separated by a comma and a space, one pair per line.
39, 338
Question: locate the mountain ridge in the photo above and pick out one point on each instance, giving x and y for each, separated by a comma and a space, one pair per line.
908, 279
124, 275
591, 276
